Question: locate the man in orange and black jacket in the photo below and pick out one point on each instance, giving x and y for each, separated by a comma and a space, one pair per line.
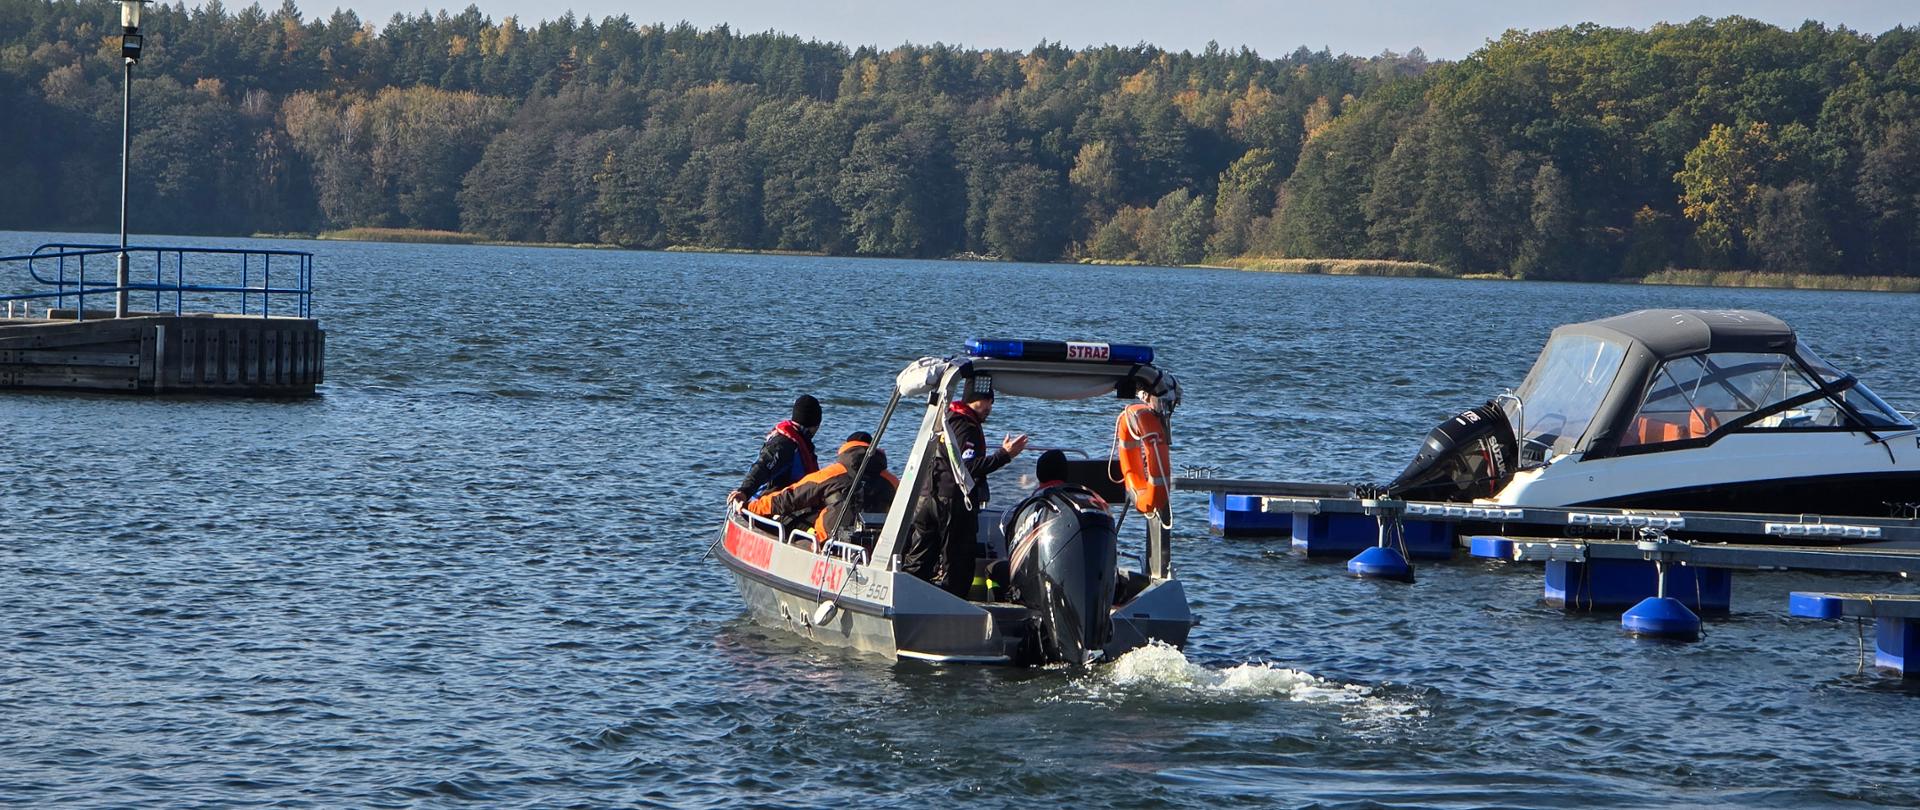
823, 497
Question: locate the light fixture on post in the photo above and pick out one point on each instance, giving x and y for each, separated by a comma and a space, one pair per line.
130, 42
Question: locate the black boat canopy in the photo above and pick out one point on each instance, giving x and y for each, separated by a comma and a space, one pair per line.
1592, 376
1671, 333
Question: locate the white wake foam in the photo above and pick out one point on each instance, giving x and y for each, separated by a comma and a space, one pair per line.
1160, 667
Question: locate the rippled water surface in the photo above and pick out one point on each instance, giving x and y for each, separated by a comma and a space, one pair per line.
471, 569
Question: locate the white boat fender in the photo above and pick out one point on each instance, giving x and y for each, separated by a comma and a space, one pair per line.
920, 376
825, 612
1161, 386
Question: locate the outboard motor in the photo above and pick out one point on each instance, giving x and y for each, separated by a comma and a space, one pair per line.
1470, 456
1063, 561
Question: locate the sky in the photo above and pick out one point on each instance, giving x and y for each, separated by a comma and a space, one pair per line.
1445, 29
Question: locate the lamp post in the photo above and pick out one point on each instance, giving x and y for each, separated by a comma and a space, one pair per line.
130, 42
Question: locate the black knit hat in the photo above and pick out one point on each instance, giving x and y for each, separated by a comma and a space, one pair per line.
806, 410
1052, 466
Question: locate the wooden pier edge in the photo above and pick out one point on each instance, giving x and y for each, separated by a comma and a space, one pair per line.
222, 354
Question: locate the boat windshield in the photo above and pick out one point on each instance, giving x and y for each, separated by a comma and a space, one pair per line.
1871, 408
1572, 379
1828, 374
1691, 397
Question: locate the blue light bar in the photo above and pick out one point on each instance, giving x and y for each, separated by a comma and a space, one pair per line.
1074, 351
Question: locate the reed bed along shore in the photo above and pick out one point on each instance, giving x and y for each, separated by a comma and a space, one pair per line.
1340, 267
430, 237
1680, 277
1685, 277
1787, 281
415, 235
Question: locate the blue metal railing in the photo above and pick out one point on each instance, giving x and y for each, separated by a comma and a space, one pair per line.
63, 267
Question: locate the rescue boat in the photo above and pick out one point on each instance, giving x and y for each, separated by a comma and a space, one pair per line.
1678, 409
1067, 599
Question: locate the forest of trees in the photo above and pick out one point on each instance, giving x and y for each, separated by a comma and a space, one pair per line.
1581, 152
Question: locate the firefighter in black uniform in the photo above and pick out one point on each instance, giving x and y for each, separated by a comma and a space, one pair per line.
786, 457
943, 543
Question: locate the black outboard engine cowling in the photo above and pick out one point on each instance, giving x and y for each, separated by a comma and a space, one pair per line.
1064, 559
1470, 456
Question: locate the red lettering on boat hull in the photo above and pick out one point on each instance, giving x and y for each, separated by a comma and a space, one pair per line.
748, 547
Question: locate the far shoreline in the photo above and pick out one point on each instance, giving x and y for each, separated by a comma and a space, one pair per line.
1379, 268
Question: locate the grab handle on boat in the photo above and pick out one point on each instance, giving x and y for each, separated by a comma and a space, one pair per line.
848, 552
778, 530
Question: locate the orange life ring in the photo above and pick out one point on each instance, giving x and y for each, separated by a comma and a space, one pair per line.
1142, 436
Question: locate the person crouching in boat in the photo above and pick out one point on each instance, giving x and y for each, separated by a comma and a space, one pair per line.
821, 500
786, 457
1051, 472
943, 543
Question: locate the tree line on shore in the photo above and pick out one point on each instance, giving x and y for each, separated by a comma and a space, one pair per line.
1580, 153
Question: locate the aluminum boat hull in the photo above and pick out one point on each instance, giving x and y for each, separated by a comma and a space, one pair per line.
898, 615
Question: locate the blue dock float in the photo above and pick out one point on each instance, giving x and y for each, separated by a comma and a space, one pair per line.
1490, 547
1344, 535
1662, 617
1896, 621
1603, 584
1246, 516
1381, 562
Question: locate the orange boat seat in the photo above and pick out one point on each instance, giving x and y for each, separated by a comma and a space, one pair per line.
1659, 428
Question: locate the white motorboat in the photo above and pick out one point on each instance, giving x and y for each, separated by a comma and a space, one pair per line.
1678, 409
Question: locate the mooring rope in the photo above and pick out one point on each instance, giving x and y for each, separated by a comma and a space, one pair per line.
1860, 643
1586, 584
1860, 636
1700, 601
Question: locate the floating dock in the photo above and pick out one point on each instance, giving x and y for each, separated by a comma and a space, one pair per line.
1896, 621
1616, 572
1601, 559
57, 335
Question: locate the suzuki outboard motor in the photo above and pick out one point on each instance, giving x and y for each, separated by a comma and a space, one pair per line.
1470, 456
1063, 560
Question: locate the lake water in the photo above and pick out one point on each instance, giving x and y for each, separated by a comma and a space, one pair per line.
470, 570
